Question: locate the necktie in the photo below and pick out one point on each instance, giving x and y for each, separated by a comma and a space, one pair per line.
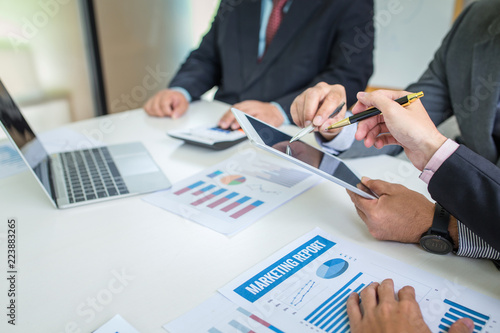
274, 20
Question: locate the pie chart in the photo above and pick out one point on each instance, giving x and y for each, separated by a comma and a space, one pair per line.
233, 180
332, 268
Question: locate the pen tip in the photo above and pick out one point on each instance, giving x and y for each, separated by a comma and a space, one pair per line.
342, 123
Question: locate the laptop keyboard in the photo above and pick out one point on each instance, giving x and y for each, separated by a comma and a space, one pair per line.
91, 174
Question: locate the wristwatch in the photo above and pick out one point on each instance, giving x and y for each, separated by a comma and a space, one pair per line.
437, 239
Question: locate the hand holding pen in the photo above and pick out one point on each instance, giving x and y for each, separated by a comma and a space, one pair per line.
316, 104
308, 129
409, 127
371, 112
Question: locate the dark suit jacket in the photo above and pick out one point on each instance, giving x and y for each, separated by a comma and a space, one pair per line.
318, 40
468, 186
463, 80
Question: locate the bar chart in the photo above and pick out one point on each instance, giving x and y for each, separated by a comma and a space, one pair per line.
189, 188
208, 197
230, 195
215, 174
331, 315
229, 180
223, 200
243, 326
235, 204
457, 311
312, 297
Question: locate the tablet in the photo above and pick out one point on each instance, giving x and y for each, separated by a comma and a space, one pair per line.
323, 164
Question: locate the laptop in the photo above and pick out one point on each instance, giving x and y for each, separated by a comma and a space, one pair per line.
278, 143
84, 176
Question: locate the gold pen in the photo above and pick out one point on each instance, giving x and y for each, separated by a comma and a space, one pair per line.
403, 101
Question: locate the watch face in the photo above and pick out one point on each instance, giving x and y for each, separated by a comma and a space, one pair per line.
436, 244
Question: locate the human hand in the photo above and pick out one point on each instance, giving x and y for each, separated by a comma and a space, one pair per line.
381, 312
167, 103
266, 112
399, 214
316, 104
410, 126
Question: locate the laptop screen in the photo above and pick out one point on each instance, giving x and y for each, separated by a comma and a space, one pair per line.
23, 137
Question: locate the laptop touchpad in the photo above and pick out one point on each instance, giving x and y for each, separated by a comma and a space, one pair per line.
135, 164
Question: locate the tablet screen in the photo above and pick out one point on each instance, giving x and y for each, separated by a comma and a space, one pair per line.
303, 152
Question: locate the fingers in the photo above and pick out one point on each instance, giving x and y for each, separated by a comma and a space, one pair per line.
317, 103
364, 206
354, 311
384, 140
296, 110
178, 106
371, 133
324, 123
386, 291
334, 96
167, 103
367, 125
369, 296
407, 293
370, 128
158, 106
463, 325
163, 105
228, 121
379, 187
381, 99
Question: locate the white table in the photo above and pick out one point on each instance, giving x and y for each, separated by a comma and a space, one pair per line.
81, 266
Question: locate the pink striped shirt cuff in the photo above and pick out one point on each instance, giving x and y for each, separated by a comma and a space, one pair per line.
441, 155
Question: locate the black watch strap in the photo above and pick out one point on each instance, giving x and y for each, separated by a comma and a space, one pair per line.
440, 221
437, 239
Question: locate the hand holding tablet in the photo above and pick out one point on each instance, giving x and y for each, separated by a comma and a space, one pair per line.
325, 165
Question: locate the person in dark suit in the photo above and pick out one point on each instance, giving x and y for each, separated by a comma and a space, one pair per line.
320, 40
462, 80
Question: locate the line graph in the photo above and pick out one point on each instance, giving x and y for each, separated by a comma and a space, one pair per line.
299, 297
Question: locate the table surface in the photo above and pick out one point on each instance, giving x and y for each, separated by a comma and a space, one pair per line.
79, 267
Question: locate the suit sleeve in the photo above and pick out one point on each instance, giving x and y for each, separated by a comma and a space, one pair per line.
434, 84
468, 186
350, 57
201, 71
434, 81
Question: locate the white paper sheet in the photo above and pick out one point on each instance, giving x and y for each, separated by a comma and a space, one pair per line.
11, 162
235, 193
117, 325
304, 288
